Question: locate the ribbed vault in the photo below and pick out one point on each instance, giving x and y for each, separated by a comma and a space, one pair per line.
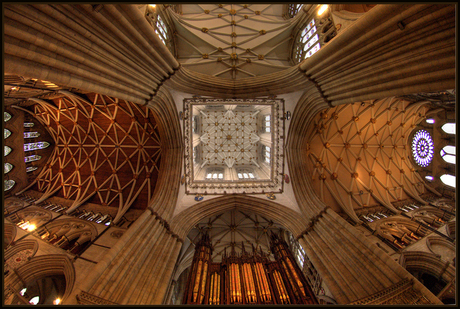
107, 151
359, 155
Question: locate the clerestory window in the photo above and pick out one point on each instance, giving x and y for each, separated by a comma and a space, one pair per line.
448, 154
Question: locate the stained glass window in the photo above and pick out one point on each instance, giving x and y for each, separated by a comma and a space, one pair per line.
31, 169
34, 300
422, 148
6, 133
9, 184
429, 178
7, 150
246, 175
448, 180
34, 146
267, 154
32, 158
308, 44
448, 154
267, 123
215, 175
449, 128
31, 134
294, 9
28, 124
430, 120
161, 30
8, 167
6, 116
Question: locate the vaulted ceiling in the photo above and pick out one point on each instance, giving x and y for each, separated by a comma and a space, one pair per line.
232, 41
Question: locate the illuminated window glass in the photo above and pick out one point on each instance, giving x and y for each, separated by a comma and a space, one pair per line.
308, 42
28, 124
449, 128
6, 133
8, 167
32, 158
448, 180
31, 134
448, 154
267, 154
430, 120
6, 116
31, 169
215, 175
23, 291
294, 9
161, 30
429, 178
7, 150
9, 184
422, 148
267, 123
34, 146
34, 300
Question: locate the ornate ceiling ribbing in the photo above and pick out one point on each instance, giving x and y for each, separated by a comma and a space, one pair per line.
107, 151
230, 139
233, 229
232, 41
359, 154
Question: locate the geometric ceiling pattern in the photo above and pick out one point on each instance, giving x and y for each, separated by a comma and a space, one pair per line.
359, 155
107, 151
229, 136
231, 41
231, 230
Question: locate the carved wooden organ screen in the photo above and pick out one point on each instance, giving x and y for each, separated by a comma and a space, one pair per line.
247, 278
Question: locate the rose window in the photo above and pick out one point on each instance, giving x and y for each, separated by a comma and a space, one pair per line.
422, 148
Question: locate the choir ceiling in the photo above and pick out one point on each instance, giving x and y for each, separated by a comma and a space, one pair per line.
359, 155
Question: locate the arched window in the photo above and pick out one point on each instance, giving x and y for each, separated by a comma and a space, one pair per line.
31, 134
32, 158
34, 146
8, 167
294, 9
195, 154
429, 178
215, 174
267, 123
267, 154
448, 154
28, 124
244, 174
449, 128
6, 116
34, 300
7, 150
430, 120
161, 30
448, 180
308, 42
9, 184
6, 133
31, 169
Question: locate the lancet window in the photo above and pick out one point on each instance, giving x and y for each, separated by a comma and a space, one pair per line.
28, 124
448, 180
245, 175
448, 154
267, 123
449, 128
31, 134
32, 158
294, 9
267, 154
34, 146
31, 169
215, 174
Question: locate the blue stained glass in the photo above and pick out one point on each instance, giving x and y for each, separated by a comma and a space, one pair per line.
34, 146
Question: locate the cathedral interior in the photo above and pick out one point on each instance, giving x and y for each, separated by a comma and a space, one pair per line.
229, 154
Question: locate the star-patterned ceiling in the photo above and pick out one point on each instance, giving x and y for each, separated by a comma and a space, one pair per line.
229, 137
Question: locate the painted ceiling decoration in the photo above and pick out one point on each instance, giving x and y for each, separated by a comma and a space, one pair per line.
360, 154
107, 151
231, 41
223, 137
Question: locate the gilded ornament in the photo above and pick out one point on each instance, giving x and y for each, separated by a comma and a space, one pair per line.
246, 16
261, 57
233, 22
221, 5
206, 11
233, 44
233, 34
248, 60
234, 56
257, 12
220, 15
205, 30
205, 56
262, 31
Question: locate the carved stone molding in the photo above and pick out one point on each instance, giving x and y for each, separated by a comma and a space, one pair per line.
85, 298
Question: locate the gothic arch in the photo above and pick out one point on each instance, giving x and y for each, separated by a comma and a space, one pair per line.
40, 267
429, 263
9, 234
288, 218
20, 246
